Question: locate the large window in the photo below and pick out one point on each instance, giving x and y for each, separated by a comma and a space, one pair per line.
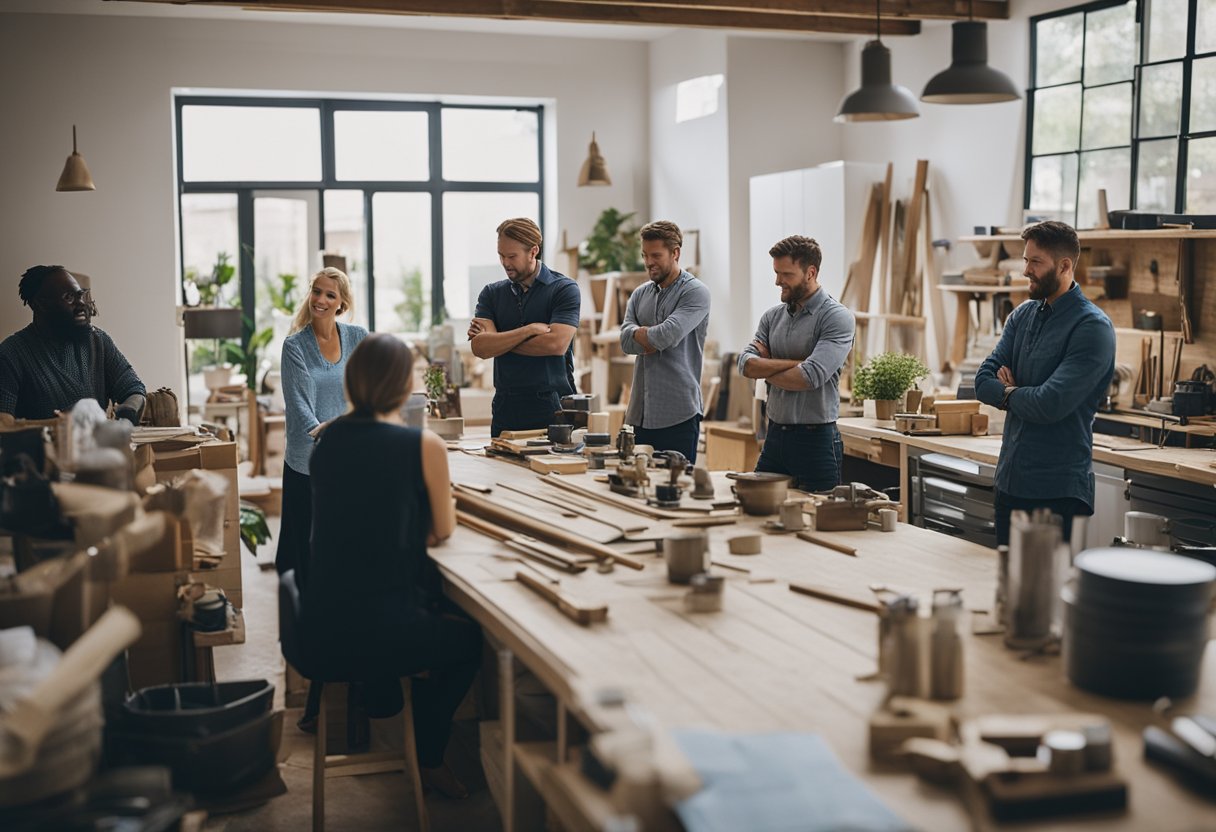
1124, 105
407, 193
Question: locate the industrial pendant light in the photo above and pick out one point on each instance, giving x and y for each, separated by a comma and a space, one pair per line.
877, 99
594, 171
969, 79
75, 176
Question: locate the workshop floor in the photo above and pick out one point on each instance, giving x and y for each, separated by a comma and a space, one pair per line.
366, 803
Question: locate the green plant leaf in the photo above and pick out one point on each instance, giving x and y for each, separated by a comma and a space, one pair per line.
888, 376
254, 530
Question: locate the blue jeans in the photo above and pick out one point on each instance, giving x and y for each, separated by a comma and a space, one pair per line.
1066, 507
811, 454
528, 410
680, 437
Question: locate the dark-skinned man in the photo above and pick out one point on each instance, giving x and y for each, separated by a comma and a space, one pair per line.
61, 357
526, 323
1049, 371
799, 349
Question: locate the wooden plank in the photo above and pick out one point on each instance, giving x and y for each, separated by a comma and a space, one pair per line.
911, 237
937, 310
574, 11
577, 611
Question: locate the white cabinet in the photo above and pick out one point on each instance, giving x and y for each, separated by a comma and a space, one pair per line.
825, 202
1110, 504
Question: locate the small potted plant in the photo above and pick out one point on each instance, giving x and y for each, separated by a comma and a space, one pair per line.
885, 378
436, 380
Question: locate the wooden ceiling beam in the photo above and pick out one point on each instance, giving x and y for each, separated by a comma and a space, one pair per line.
891, 9
583, 12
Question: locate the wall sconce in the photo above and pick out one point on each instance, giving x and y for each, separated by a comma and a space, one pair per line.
595, 171
75, 176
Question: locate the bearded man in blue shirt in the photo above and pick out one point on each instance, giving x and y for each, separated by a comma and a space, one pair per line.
1050, 370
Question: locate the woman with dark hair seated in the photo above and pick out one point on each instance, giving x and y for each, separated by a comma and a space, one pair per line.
372, 608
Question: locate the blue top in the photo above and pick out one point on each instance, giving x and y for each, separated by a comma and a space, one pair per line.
1063, 357
666, 383
820, 335
553, 299
312, 388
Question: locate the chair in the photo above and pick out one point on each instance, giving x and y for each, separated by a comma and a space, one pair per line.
343, 765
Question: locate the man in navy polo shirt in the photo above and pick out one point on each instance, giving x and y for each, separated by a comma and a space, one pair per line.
526, 323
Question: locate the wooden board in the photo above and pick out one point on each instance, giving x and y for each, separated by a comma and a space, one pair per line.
559, 464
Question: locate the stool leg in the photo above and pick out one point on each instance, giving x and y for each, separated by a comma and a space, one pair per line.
411, 754
318, 770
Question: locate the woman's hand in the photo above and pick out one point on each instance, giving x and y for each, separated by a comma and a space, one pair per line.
319, 429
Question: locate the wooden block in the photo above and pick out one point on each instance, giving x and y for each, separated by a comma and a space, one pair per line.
1016, 795
979, 424
840, 516
559, 464
952, 424
904, 718
580, 612
523, 434
957, 406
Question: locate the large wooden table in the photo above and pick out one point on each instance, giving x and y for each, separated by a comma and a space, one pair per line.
772, 660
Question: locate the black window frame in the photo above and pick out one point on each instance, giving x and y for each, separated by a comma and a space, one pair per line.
435, 185
1184, 136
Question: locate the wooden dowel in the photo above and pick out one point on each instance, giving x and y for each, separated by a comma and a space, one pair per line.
827, 544
827, 595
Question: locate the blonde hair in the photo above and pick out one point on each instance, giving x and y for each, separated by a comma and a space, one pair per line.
345, 294
522, 230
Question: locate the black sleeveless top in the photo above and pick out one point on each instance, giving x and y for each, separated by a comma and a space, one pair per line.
369, 577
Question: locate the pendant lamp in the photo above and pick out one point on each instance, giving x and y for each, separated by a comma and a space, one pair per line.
877, 99
969, 79
595, 171
75, 176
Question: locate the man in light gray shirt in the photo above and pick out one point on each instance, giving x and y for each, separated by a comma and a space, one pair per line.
665, 324
800, 346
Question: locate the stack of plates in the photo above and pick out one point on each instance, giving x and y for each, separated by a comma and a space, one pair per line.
1135, 622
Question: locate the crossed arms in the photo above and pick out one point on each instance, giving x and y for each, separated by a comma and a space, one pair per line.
825, 359
529, 339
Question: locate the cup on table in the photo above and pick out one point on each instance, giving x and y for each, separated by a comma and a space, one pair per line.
686, 555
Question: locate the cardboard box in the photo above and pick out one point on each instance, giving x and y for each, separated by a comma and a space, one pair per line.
152, 596
155, 666
94, 512
51, 598
209, 456
172, 551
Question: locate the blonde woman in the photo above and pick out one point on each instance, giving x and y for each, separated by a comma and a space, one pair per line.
313, 364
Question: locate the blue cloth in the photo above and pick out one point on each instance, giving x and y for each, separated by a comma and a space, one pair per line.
776, 783
811, 454
682, 437
312, 388
667, 383
820, 335
553, 299
1062, 356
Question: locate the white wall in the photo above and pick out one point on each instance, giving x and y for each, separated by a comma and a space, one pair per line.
112, 76
689, 166
783, 95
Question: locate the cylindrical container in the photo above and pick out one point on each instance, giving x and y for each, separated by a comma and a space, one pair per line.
560, 434
1063, 752
597, 422
1136, 623
889, 519
1148, 530
686, 555
902, 654
1001, 601
946, 646
791, 515
705, 593
1033, 584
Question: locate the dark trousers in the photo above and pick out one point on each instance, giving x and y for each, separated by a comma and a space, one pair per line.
295, 525
682, 437
1066, 507
811, 454
531, 410
447, 644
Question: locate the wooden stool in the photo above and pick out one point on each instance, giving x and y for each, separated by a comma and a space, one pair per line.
350, 765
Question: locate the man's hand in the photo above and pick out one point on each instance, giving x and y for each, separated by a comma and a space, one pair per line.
127, 413
538, 329
478, 326
761, 349
1005, 376
643, 340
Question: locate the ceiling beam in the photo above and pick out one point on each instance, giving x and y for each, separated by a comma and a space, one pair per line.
584, 12
906, 9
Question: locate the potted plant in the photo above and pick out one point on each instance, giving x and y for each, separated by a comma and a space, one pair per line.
613, 245
885, 378
435, 378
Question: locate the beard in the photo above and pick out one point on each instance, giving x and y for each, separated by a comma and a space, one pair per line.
660, 275
1045, 286
796, 293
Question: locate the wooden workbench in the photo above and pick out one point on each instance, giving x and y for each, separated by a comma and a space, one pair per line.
772, 660
869, 439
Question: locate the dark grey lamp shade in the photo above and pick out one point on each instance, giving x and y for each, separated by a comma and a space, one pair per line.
212, 323
969, 79
877, 99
